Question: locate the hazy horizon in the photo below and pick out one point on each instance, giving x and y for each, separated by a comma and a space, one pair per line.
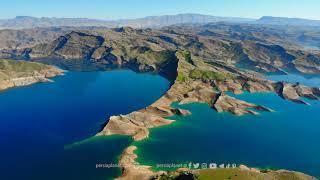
128, 9
115, 19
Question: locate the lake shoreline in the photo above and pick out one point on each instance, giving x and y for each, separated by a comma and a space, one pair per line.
130, 155
137, 123
133, 170
69, 110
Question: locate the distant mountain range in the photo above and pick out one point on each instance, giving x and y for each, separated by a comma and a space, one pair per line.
150, 21
287, 21
160, 21
21, 22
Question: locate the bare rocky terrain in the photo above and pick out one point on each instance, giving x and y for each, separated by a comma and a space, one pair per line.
256, 47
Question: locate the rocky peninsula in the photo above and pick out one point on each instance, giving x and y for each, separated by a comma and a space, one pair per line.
190, 89
21, 73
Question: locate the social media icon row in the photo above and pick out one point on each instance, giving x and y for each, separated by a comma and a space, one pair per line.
214, 166
211, 165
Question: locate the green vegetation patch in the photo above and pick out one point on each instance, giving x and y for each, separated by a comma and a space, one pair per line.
21, 66
235, 174
209, 75
181, 77
187, 57
238, 174
155, 57
14, 68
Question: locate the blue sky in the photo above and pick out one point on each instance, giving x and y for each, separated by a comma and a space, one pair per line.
117, 9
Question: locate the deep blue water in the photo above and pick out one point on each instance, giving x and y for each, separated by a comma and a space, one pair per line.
41, 124
287, 138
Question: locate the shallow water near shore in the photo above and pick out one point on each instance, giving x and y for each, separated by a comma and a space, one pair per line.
285, 139
44, 128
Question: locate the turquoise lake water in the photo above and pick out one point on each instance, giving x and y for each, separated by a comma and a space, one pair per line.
285, 139
44, 127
